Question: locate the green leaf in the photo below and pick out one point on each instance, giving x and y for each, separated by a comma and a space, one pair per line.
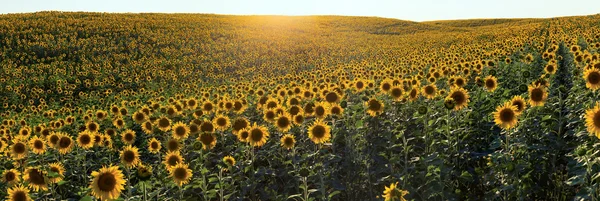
334, 193
86, 198
294, 196
359, 124
60, 183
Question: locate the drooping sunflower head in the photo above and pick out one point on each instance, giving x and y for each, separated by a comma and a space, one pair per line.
209, 140
491, 83
173, 144
288, 141
319, 132
181, 174
59, 171
592, 120
519, 104
229, 161
130, 156
506, 116
180, 130
592, 78
239, 123
144, 172
413, 94
374, 107
460, 97
107, 183
537, 95
36, 178
258, 135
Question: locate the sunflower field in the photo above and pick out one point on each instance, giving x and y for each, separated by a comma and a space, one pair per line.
99, 106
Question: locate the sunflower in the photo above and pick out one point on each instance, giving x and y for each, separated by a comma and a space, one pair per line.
506, 116
519, 104
209, 140
24, 132
550, 68
491, 83
108, 183
258, 135
154, 146
18, 149
269, 115
319, 132
163, 123
460, 82
59, 169
336, 110
147, 127
283, 122
118, 122
229, 161
11, 177
385, 85
53, 138
92, 127
18, 193
396, 92
298, 119
98, 140
429, 91
321, 110
128, 136
460, 97
332, 97
592, 78
243, 134
374, 107
207, 127
172, 159
359, 85
139, 117
393, 193
85, 140
181, 174
592, 120
144, 172
173, 145
180, 130
239, 123
288, 141
221, 122
36, 178
130, 156
38, 145
537, 95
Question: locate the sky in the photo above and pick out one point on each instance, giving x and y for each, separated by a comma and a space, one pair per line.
414, 10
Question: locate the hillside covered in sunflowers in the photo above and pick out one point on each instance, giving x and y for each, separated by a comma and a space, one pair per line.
99, 106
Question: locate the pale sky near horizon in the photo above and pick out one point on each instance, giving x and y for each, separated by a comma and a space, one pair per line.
415, 10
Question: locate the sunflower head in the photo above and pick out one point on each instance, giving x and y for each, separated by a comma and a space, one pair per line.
519, 104
130, 156
172, 158
18, 149
107, 183
36, 178
319, 132
257, 135
239, 124
154, 146
283, 122
288, 141
374, 106
38, 145
491, 83
58, 172
20, 193
393, 193
144, 172
229, 161
11, 177
209, 140
506, 116
460, 97
592, 120
128, 136
85, 140
221, 122
592, 78
181, 174
180, 130
537, 95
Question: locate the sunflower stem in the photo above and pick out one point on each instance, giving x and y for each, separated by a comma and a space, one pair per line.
144, 189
